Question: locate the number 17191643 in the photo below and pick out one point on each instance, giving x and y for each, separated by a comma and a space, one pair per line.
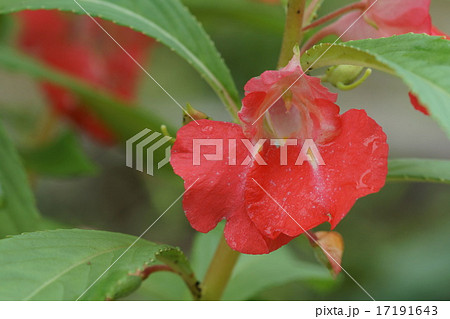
407, 310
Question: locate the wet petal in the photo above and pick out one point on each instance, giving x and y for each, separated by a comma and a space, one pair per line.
218, 193
242, 235
308, 195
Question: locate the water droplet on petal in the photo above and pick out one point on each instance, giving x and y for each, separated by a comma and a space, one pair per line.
361, 183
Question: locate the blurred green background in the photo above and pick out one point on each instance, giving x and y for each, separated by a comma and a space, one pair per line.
396, 242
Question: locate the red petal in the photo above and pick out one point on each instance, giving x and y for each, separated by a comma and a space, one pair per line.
355, 165
419, 107
218, 193
43, 27
76, 45
68, 105
288, 99
218, 188
242, 235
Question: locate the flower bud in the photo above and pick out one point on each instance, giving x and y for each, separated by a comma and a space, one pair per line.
192, 114
345, 77
328, 247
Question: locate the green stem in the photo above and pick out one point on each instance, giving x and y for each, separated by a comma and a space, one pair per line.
293, 33
219, 271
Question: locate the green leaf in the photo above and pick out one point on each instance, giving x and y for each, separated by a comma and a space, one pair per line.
421, 61
419, 170
168, 21
260, 16
63, 157
256, 273
62, 264
18, 212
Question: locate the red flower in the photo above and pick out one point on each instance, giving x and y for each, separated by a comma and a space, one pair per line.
384, 19
76, 45
265, 206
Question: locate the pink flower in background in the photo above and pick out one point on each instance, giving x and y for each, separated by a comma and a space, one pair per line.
385, 18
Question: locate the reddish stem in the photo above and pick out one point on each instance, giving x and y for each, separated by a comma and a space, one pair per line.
337, 13
314, 39
152, 269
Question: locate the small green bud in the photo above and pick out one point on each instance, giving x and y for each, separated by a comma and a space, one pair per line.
192, 114
345, 77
